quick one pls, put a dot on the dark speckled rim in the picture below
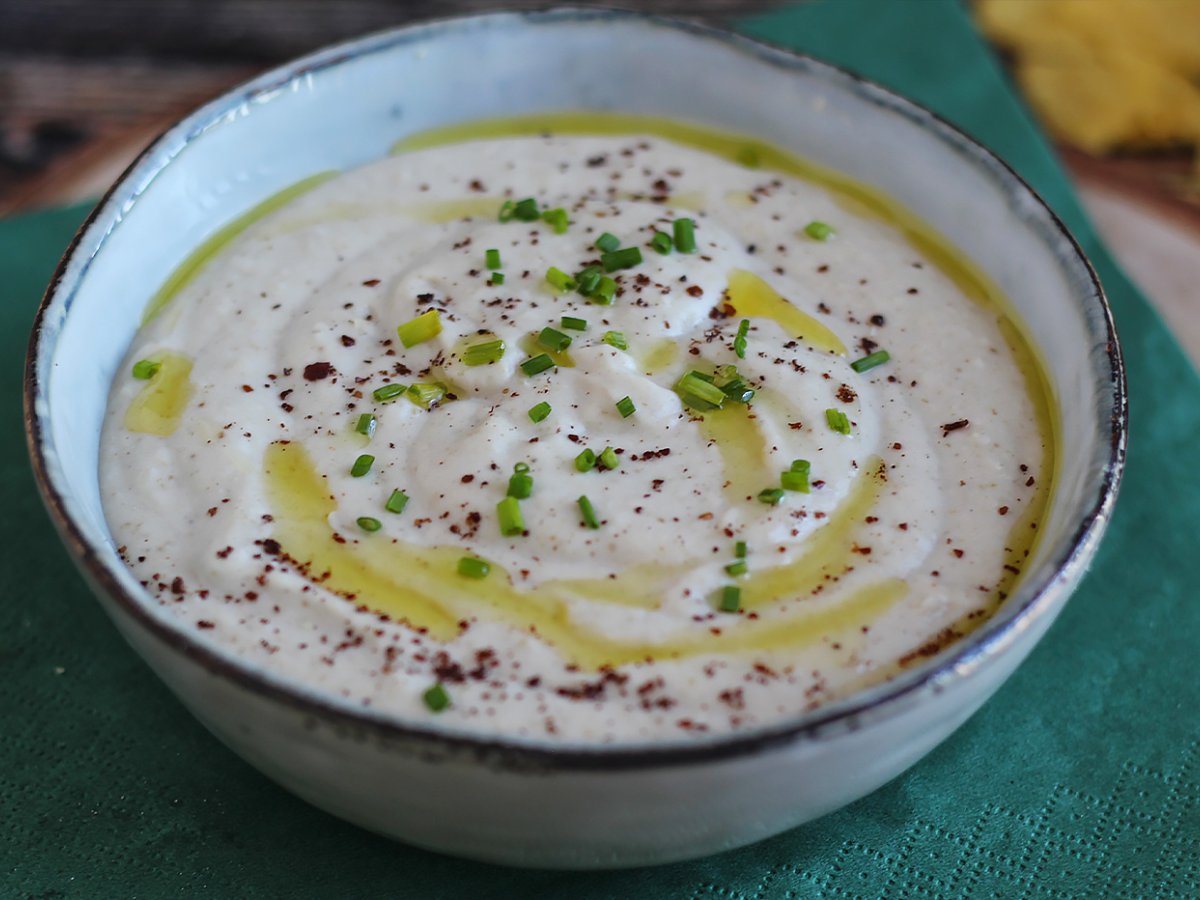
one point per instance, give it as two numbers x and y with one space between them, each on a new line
1031 602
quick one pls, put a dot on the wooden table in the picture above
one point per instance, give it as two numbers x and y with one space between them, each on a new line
85 84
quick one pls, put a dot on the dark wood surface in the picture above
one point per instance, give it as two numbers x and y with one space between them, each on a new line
85 83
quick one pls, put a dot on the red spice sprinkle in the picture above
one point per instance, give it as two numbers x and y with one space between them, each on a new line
318 370
954 426
371 282
347 341
1003 510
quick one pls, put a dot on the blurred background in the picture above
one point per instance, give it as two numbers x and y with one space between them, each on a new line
84 85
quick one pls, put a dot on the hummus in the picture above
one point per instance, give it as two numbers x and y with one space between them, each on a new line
581 438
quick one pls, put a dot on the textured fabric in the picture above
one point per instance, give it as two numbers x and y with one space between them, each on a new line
1079 778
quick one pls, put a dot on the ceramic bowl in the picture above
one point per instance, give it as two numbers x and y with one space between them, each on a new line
525 802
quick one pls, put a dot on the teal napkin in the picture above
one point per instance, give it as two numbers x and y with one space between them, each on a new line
1079 778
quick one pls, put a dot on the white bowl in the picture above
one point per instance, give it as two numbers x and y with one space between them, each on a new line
526 802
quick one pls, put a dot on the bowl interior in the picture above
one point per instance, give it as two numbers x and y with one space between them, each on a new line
347 105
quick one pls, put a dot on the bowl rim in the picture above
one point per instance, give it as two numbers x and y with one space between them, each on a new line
964 658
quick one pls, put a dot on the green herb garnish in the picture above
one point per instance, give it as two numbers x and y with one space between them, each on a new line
818 231
615 339
837 421
508 515
607 242
470 567
625 258
422 328
553 339
731 598
685 235
484 354
145 369
589 514
436 698
870 361
520 485
537 364
388 392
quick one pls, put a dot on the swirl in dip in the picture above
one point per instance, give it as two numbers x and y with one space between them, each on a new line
774 467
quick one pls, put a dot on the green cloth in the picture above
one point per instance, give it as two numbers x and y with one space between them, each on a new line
1078 778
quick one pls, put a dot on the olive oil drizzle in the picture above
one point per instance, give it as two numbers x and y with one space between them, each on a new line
751 297
159 405
216 242
428 595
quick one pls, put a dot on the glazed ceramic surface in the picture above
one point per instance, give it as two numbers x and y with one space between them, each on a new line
525 802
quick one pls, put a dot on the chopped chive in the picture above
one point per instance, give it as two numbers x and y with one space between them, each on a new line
362 465
537 364
483 354
588 280
818 231
425 395
608 458
607 242
557 219
470 567
605 290
526 210
416 331
685 235
731 598
737 390
740 550
589 514
615 339
145 369
796 478
553 339
436 698
739 342
625 258
520 485
837 421
366 425
559 279
574 324
506 211
737 568
497 279
492 259
878 358
539 411
368 523
396 502
388 392
508 514
698 393
771 495
586 460
661 242
625 407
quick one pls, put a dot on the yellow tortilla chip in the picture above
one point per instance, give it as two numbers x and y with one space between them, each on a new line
1105 73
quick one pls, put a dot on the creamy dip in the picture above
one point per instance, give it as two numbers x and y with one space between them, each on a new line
301 488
